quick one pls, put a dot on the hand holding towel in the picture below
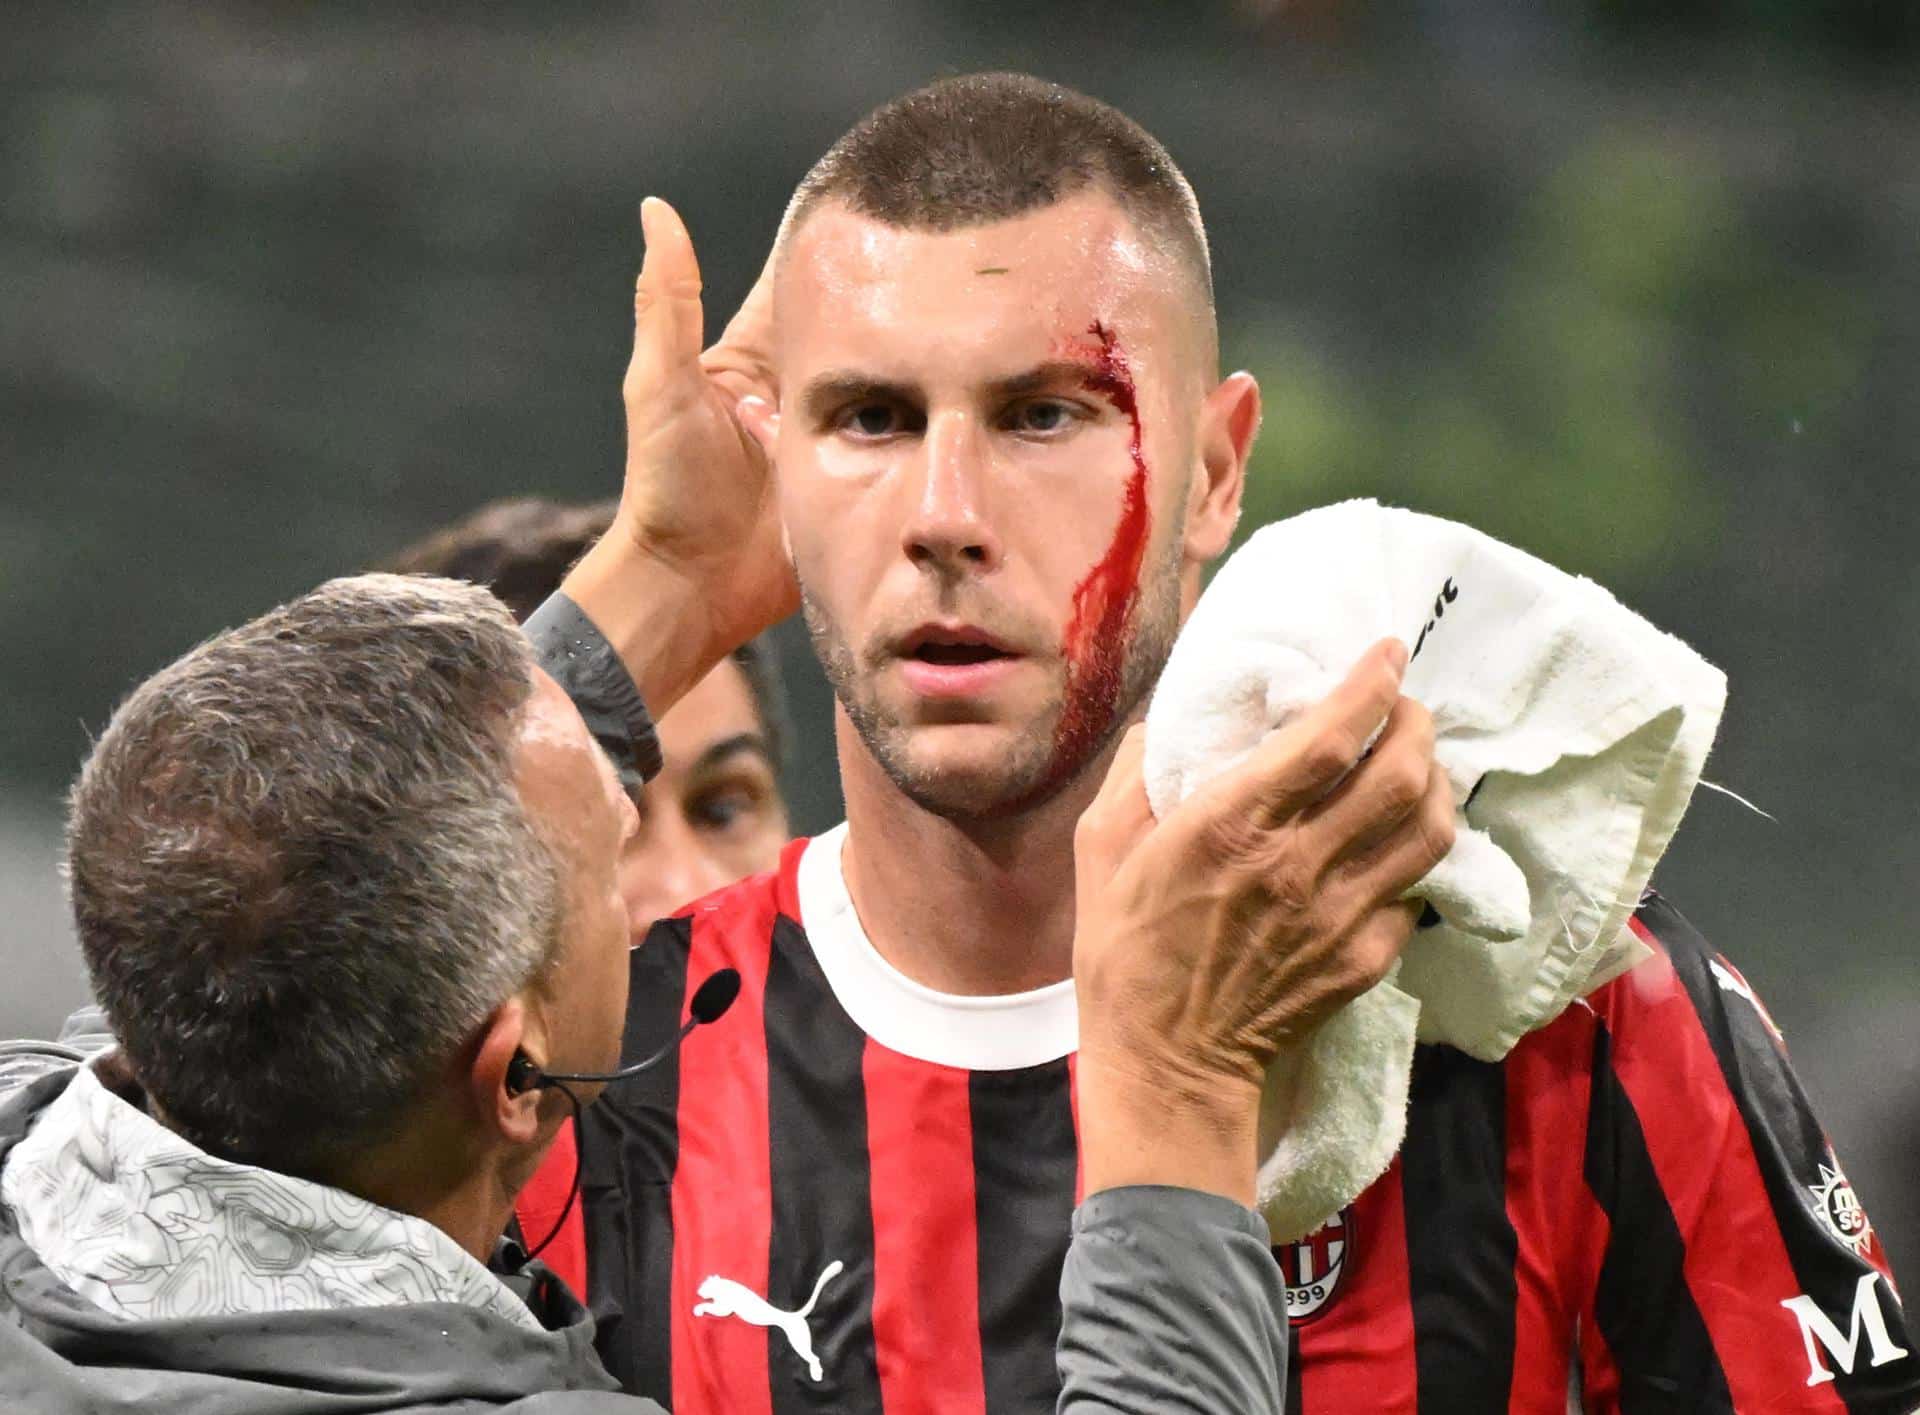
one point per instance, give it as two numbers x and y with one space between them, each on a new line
1572 732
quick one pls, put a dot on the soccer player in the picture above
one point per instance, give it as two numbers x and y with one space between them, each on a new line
983 367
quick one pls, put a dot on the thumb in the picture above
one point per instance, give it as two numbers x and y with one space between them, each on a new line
667 320
1123 793
1119 818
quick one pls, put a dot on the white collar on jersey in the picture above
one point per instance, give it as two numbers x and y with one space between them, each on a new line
1001 1033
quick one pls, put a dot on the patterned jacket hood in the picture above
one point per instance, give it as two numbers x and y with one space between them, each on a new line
60 1352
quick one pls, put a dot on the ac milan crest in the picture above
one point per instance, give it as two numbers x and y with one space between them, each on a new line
1312 1266
1841 1208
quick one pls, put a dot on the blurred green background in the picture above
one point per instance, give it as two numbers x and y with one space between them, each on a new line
1633 285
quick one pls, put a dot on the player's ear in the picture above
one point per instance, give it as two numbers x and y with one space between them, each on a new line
1229 419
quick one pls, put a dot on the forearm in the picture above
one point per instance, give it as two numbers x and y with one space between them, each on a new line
1171 1302
657 621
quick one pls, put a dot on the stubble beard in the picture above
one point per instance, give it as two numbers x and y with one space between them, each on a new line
1037 765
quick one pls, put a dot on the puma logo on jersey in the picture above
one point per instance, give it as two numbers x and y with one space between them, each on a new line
723 1297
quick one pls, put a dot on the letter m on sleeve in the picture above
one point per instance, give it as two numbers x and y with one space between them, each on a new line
1818 1330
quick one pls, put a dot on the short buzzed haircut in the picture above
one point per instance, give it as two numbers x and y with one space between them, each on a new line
300 869
981 148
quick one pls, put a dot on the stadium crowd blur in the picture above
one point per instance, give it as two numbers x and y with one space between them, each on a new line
1627 284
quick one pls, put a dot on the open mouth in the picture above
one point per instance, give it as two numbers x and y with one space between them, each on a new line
953 648
956 653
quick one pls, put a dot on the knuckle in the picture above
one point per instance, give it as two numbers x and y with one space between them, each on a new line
1403 783
1371 957
1357 974
1291 890
1329 754
1439 829
1233 840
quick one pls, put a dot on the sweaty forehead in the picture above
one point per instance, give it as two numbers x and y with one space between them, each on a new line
850 282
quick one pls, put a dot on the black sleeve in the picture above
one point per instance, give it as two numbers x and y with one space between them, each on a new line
579 658
1171 1305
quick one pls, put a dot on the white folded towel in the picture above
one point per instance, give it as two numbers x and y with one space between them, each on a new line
1572 731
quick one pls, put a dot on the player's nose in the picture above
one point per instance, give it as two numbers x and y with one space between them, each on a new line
947 529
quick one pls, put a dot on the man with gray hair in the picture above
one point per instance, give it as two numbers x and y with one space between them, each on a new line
345 882
332 872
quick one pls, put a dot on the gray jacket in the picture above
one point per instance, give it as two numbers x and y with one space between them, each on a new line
1170 1300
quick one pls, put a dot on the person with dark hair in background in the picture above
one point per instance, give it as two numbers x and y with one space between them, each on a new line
713 814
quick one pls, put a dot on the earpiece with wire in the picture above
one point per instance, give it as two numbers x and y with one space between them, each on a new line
711 999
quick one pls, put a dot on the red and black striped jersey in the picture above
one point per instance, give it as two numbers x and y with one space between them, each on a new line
853 1195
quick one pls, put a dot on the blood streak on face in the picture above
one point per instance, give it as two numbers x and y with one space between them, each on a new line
1095 642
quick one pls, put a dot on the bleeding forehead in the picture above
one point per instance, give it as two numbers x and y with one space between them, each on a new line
853 287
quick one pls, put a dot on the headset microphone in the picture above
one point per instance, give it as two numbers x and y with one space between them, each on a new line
710 1000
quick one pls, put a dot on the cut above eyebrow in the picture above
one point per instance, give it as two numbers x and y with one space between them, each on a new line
732 746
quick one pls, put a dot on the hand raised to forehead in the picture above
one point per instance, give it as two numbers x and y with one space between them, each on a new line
698 495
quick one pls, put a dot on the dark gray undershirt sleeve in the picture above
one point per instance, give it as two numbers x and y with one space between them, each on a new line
579 658
1172 1305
